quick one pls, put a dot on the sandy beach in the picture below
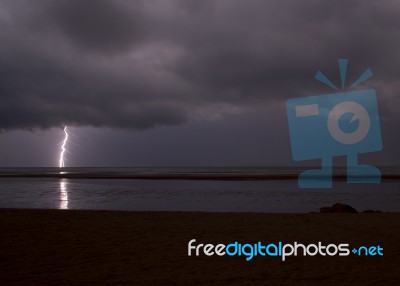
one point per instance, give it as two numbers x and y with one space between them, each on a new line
53 247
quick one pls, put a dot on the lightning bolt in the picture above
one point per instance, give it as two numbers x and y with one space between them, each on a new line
64 142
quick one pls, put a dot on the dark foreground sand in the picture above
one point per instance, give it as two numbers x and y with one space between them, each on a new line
51 247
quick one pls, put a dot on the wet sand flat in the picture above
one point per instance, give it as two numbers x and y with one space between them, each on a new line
53 247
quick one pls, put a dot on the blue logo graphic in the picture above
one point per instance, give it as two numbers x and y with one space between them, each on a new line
336 124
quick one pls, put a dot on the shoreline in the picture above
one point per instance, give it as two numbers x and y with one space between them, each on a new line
174 212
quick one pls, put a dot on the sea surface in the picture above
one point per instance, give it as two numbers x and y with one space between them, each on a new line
188 189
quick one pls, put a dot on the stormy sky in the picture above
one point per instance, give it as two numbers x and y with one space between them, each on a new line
183 83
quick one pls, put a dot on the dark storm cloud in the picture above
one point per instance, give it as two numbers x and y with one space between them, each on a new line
140 64
101 25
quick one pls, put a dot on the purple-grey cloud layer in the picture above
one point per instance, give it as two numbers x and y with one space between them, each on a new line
141 64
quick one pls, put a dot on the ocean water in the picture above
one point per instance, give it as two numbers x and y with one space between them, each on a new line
46 188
